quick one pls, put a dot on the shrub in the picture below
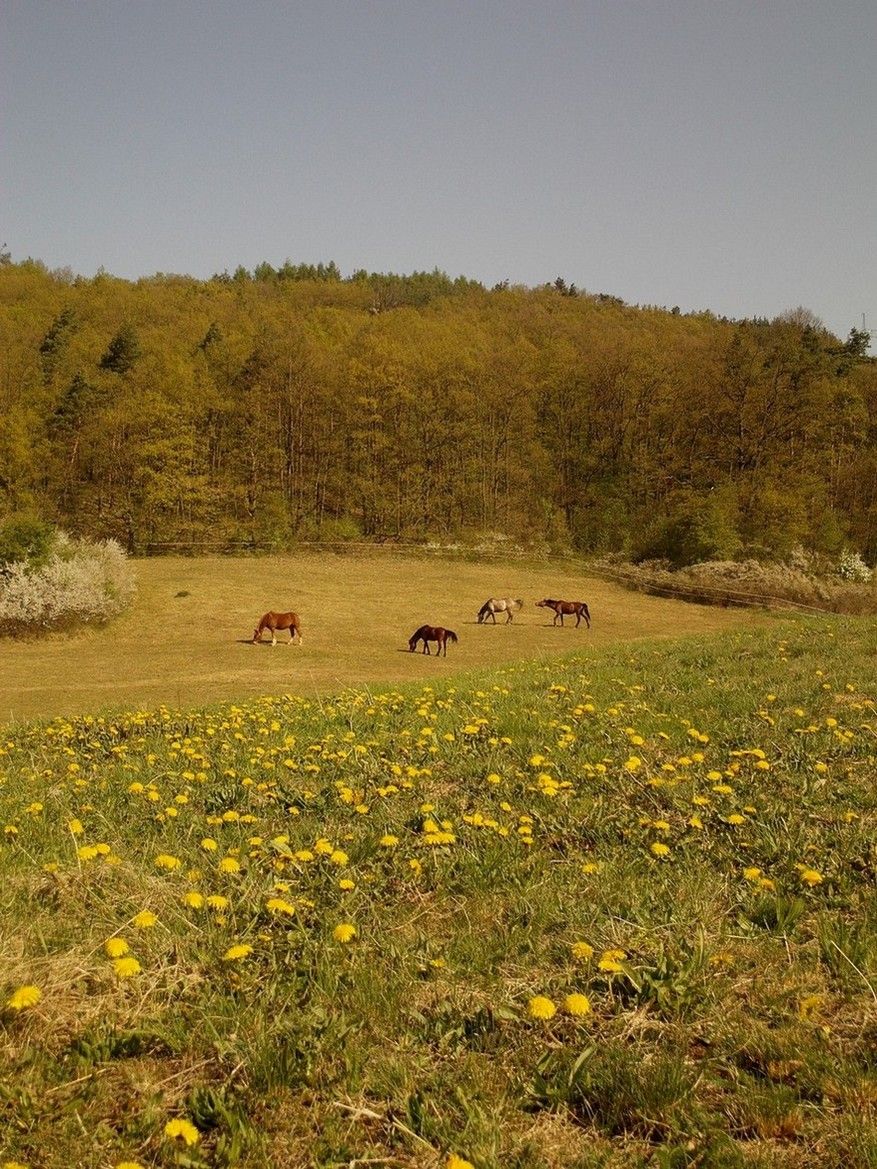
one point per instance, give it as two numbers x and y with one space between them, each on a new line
852 567
24 539
77 582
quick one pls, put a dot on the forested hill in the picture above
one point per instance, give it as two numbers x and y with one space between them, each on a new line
287 404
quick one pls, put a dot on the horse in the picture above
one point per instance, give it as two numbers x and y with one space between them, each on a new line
275 621
579 608
499 605
428 633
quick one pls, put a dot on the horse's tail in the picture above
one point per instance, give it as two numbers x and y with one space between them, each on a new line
451 636
586 613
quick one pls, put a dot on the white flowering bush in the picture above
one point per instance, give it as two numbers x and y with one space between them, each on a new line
851 566
81 582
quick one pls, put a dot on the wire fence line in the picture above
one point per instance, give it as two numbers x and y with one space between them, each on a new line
699 594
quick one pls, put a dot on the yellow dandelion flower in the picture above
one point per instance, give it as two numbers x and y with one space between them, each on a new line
24 997
194 899
455 1162
182 1129
810 1005
659 848
209 844
582 951
344 932
126 967
811 877
128 1165
75 826
577 1004
229 865
278 905
217 901
541 1007
388 841
116 947
346 884
338 857
235 953
167 862
752 873
145 919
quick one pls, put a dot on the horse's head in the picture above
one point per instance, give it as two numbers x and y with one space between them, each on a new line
256 632
544 604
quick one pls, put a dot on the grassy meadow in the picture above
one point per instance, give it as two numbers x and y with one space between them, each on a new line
185 640
606 910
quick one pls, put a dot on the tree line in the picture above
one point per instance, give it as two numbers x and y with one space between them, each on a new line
260 408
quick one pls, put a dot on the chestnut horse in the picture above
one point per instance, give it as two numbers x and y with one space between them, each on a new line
275 621
428 633
499 605
579 608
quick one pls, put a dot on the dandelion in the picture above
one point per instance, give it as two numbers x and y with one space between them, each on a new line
610 961
388 841
193 899
577 1004
116 947
229 865
24 997
144 920
280 906
235 953
126 967
217 901
183 1129
541 1007
209 844
811 877
659 848
126 1165
582 951
344 932
455 1162
167 862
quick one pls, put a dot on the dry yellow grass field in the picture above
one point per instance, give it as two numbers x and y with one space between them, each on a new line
184 642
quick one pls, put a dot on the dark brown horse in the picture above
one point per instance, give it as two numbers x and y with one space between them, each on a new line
579 608
428 633
275 621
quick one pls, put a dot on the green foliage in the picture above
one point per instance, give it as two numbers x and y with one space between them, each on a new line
122 352
259 407
25 539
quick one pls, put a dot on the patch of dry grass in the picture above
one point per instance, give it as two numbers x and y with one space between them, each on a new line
184 642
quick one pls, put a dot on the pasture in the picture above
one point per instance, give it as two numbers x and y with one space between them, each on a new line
185 640
605 911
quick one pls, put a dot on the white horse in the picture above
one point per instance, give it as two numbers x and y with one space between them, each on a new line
499 605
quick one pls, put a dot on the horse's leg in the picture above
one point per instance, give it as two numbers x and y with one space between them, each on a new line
274 637
493 615
508 616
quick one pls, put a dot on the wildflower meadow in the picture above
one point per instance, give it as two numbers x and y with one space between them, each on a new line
605 910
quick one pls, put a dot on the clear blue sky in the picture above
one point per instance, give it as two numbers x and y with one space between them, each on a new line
713 154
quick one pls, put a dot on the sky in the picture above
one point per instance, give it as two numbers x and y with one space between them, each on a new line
710 154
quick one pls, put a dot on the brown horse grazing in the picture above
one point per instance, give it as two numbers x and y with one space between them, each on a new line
275 621
579 608
495 605
428 633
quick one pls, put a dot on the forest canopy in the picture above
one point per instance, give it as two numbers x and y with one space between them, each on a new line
290 403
